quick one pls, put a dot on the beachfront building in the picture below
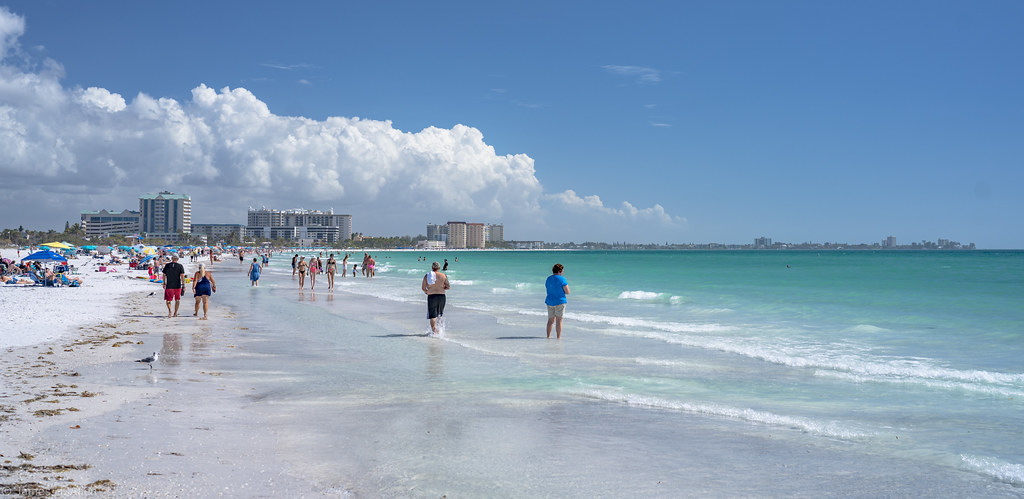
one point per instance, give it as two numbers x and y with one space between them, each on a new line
463 235
105 223
306 226
427 244
456 235
475 235
494 233
219 232
165 215
527 244
763 242
437 232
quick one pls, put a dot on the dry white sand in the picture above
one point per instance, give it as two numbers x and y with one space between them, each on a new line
79 417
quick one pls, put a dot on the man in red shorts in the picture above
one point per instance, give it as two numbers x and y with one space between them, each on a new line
174 282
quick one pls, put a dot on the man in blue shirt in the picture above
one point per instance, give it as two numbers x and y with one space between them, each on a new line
557 288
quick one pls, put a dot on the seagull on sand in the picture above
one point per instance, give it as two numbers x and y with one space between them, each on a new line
150 360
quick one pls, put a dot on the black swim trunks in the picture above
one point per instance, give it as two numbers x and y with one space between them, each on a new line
435 306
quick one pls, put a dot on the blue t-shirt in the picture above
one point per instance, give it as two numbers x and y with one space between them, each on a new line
556 290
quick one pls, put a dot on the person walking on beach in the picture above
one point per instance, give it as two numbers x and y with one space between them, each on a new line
203 286
294 264
302 271
314 269
332 268
557 288
254 272
174 282
344 266
434 285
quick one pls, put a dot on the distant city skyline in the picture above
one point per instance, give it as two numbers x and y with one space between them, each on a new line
643 122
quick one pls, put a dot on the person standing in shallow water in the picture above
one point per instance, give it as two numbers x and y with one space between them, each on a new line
254 272
332 267
557 288
434 285
301 266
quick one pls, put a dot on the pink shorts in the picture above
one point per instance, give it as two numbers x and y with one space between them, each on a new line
172 294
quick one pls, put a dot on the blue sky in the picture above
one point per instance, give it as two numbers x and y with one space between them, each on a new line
566 121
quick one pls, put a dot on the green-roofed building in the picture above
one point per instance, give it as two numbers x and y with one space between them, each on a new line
165 215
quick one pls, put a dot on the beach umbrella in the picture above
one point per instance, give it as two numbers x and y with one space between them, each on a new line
44 256
104 250
88 247
148 258
57 245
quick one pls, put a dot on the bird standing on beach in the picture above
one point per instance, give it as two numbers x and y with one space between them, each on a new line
149 360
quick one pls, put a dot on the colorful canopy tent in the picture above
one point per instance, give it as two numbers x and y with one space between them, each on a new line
58 245
44 256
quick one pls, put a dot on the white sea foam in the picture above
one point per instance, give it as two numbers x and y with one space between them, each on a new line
830 429
985 389
1003 471
850 359
672 327
639 295
459 282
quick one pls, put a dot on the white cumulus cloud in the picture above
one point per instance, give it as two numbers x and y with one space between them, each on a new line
592 204
63 150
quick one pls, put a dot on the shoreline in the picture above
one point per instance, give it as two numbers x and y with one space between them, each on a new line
249 404
79 416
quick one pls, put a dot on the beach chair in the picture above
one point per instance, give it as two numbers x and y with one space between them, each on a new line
42 281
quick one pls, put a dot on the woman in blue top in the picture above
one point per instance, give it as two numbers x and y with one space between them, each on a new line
203 286
254 273
557 288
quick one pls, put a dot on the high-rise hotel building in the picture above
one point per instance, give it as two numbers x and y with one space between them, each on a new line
299 225
165 215
104 223
463 235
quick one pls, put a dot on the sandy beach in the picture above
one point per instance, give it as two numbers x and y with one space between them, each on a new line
79 417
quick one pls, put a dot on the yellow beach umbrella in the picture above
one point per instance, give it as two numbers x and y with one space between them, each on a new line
56 245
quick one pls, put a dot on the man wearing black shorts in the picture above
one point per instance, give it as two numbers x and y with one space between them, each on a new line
174 282
434 285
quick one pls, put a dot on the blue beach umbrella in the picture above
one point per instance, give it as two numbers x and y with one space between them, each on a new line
44 256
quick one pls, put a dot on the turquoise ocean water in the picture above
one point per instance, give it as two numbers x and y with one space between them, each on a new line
680 373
